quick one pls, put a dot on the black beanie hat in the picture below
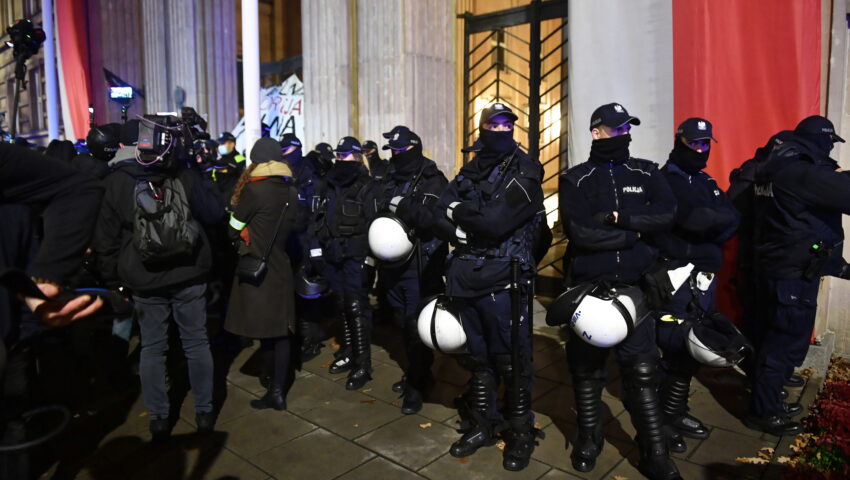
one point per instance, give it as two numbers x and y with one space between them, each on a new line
266 149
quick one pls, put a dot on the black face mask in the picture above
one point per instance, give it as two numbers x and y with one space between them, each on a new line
344 172
406 161
611 150
374 159
823 143
293 158
498 142
688 159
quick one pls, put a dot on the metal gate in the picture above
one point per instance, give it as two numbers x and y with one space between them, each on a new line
518 57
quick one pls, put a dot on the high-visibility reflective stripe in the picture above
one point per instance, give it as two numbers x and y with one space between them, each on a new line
236 224
239 158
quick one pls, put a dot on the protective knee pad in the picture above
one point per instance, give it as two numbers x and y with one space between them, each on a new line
353 306
642 373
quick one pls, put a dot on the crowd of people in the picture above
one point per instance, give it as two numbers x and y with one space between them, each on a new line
340 222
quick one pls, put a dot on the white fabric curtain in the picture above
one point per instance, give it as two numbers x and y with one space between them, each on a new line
622 51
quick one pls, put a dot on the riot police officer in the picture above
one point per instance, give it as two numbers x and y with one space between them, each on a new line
229 165
493 214
310 184
705 218
800 196
409 191
608 205
340 242
378 167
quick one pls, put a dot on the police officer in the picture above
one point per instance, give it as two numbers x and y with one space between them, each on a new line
229 165
705 218
800 195
493 214
378 167
409 191
341 243
311 185
608 205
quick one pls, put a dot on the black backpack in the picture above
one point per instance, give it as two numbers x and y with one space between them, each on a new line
163 227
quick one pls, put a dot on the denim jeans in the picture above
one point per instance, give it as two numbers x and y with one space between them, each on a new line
187 307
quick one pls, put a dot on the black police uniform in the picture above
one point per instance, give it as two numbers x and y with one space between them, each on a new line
310 182
601 248
411 189
799 201
341 230
496 216
705 218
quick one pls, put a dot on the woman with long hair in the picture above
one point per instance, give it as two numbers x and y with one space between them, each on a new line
264 208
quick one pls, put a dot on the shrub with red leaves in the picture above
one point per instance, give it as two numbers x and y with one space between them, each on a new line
824 451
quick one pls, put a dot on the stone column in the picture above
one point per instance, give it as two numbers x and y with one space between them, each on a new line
191 44
327 71
407 72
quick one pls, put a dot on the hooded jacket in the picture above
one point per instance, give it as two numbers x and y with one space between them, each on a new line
117 260
799 200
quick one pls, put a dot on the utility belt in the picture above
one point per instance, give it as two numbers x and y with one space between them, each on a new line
467 252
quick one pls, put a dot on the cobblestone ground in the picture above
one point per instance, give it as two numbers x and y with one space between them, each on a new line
329 432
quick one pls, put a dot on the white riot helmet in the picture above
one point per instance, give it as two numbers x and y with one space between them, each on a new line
389 240
601 314
440 327
716 342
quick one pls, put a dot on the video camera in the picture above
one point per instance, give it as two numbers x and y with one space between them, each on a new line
24 38
165 136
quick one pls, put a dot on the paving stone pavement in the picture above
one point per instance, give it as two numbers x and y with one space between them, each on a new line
329 432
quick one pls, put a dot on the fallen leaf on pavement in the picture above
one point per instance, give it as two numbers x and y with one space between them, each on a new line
335 346
327 403
500 445
463 460
782 459
425 425
327 364
143 414
620 477
766 453
752 460
371 400
366 390
356 425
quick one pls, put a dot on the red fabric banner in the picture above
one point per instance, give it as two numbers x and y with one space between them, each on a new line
73 45
752 68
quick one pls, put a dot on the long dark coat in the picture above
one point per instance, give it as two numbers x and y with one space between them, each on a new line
265 309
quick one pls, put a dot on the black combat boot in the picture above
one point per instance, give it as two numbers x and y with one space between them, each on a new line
478 430
590 440
342 357
361 366
310 346
640 396
674 393
274 398
522 436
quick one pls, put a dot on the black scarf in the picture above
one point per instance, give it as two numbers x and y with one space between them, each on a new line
294 159
407 163
821 142
688 159
496 142
611 150
343 173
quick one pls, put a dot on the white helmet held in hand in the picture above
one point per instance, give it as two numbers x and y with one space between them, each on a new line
602 315
440 327
389 240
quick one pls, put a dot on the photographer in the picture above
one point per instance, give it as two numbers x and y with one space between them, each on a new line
156 198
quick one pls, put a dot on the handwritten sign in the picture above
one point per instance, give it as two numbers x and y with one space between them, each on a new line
281 108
